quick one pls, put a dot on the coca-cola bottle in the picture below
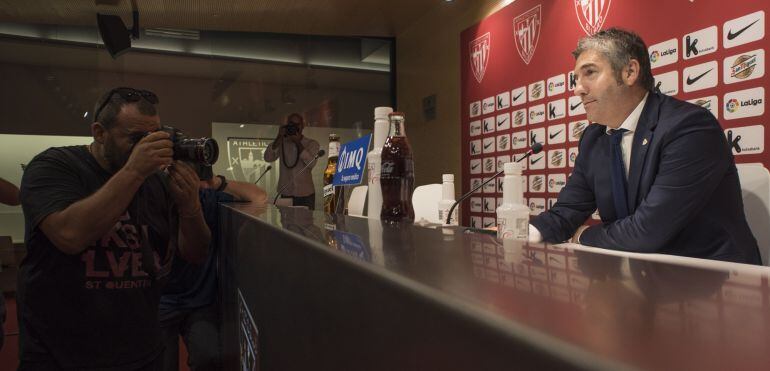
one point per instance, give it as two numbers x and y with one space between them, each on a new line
397 173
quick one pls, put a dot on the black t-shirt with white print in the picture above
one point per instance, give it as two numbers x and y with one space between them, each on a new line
97 309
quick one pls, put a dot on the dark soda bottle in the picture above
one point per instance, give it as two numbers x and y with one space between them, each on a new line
397 173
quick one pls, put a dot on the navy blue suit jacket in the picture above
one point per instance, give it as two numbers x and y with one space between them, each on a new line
684 196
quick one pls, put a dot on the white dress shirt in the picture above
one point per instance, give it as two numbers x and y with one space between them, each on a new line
626 145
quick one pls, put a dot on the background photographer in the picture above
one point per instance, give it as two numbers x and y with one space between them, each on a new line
103 223
295 151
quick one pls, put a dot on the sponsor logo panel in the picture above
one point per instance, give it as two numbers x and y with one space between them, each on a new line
518 96
572 154
476 166
576 129
556 85
536 114
488 145
475 147
575 106
556 182
489 165
536 206
502 160
701 76
519 140
743 30
537 136
503 100
557 109
503 143
746 140
667 83
503 121
744 103
537 183
557 159
488 105
475 204
664 53
557 134
700 43
488 125
744 66
536 90
519 118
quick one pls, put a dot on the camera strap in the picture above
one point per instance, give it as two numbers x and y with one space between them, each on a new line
283 155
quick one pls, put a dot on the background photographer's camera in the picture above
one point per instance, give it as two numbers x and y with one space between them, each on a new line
291 129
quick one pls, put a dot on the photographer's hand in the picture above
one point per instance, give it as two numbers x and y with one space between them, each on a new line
184 186
154 152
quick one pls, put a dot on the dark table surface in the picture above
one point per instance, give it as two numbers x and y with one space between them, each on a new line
643 311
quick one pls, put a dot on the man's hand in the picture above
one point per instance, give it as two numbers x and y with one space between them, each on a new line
184 186
154 152
212 183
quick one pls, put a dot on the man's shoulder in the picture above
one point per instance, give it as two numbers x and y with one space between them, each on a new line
675 113
66 153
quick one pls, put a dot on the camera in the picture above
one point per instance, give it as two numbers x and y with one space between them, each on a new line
291 129
202 151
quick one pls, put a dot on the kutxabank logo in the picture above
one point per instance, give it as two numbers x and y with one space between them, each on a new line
526 32
591 14
479 50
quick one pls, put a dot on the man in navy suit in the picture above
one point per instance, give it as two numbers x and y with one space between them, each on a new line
659 170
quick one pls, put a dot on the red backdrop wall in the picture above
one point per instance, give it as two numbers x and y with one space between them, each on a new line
515 80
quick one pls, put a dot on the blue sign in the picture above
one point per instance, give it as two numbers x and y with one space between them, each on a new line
352 162
352 245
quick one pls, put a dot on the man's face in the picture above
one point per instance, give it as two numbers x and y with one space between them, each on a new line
129 128
296 121
602 94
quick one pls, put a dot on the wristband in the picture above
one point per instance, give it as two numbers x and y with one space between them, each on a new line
223 183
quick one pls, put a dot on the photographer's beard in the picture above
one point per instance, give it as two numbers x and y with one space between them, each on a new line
114 156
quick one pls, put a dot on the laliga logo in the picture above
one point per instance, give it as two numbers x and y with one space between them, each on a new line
550 86
479 50
654 56
591 14
572 157
732 105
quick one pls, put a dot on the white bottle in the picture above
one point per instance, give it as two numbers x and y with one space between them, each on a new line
374 161
447 200
512 215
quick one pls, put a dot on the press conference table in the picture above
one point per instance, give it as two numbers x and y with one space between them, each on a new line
348 293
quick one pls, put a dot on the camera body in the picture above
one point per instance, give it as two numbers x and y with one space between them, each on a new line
203 151
291 129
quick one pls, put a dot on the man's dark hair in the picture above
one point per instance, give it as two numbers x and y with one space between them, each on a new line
619 47
109 113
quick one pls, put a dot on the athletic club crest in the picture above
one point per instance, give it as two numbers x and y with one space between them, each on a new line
591 14
480 55
526 32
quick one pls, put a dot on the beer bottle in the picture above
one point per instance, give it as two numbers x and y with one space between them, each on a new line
397 173
332 194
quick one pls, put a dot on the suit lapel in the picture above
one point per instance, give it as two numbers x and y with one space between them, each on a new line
643 137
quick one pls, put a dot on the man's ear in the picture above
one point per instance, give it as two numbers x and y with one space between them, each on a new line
99 132
631 72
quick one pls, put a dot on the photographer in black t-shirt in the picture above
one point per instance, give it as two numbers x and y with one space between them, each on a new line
103 224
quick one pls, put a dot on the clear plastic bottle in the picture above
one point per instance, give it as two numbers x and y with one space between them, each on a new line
374 161
512 215
447 200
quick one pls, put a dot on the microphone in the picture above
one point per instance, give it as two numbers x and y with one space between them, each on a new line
263 173
317 155
534 149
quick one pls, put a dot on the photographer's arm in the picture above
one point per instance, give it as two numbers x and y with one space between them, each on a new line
73 228
309 151
271 152
194 234
9 193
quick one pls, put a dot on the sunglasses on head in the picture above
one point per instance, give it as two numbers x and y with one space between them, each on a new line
129 95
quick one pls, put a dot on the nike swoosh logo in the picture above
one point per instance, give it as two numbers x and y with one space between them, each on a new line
572 108
535 160
502 122
555 134
488 225
691 80
488 144
475 166
518 96
731 35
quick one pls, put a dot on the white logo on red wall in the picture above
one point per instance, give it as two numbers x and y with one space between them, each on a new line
480 48
526 32
591 14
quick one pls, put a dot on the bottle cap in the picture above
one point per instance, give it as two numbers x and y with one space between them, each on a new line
448 178
382 112
512 168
